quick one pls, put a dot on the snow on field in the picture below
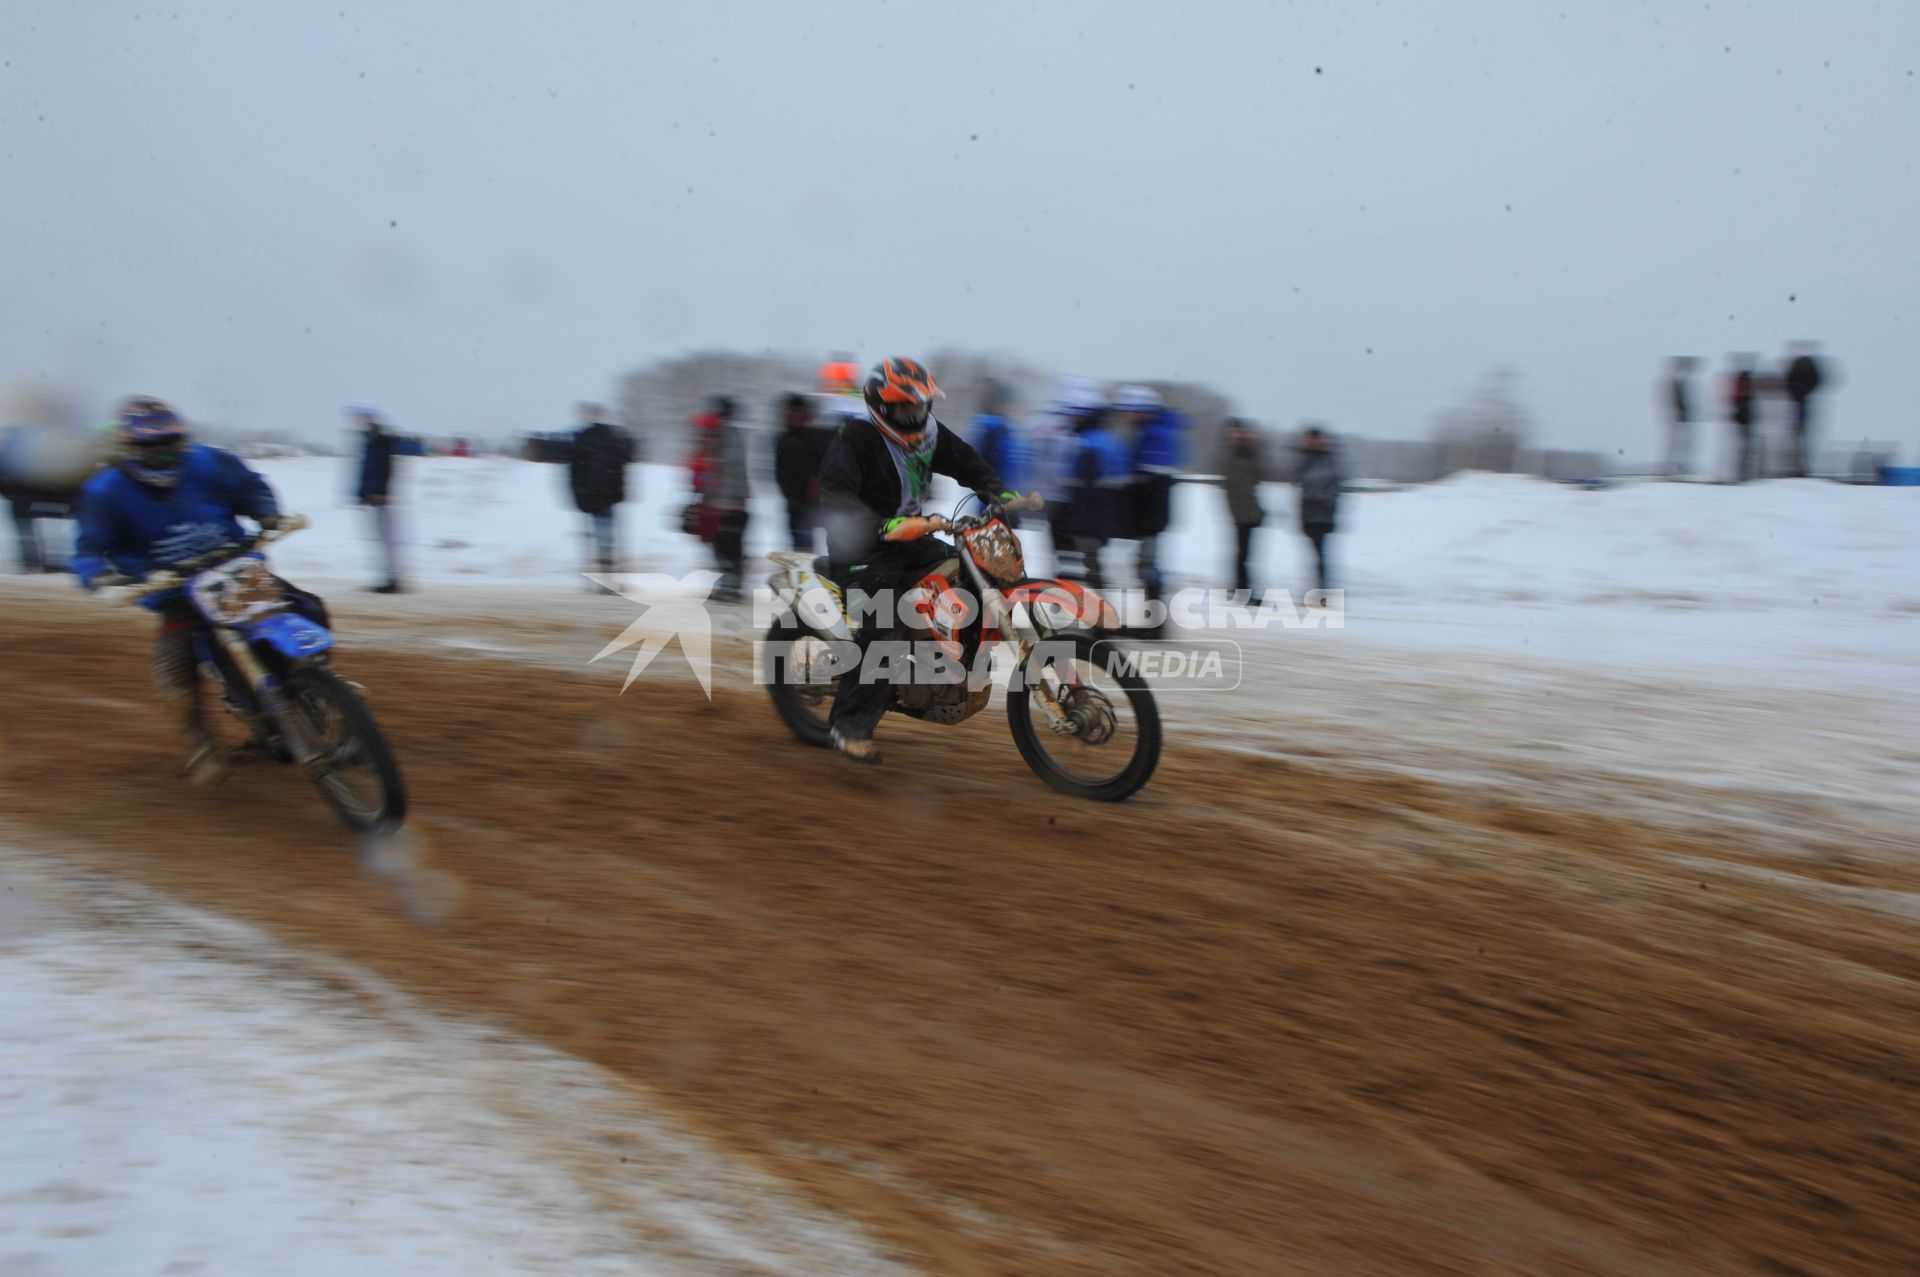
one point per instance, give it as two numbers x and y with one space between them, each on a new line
1756 639
1769 574
182 1096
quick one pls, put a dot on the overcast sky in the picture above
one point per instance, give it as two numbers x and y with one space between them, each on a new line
474 214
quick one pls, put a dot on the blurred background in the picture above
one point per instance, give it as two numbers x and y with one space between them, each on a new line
475 215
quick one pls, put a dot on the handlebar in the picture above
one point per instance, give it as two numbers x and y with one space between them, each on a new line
175 575
912 529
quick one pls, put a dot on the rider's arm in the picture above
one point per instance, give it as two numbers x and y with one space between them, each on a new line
851 524
247 490
94 537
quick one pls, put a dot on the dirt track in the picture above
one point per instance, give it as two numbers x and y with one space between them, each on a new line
1266 1019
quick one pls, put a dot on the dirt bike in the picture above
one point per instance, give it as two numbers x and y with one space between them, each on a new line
270 663
1083 718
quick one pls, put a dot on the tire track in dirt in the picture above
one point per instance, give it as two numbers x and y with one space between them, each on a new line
1267 1018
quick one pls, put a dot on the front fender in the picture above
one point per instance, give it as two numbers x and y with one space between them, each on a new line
291 634
1063 605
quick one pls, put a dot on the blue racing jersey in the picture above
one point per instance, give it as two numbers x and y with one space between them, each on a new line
130 528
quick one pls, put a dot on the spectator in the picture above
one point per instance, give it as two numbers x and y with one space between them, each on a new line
26 531
1151 433
1243 465
597 475
1679 404
375 488
1317 473
995 438
720 481
1802 380
1049 438
1742 411
1096 471
41 471
797 454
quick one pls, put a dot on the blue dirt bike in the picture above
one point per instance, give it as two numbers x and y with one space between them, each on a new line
269 659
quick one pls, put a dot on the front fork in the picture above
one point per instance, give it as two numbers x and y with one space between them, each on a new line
1023 636
269 696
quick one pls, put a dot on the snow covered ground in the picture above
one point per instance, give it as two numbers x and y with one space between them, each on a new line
1779 575
182 1095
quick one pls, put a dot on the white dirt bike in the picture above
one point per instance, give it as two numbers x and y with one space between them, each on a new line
1081 715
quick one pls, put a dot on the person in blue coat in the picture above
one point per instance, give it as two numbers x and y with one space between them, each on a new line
166 499
995 437
1154 436
1096 471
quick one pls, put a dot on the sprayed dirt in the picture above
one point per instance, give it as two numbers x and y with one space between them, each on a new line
1268 1018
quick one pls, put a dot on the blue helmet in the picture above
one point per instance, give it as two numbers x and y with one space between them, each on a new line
1080 399
153 441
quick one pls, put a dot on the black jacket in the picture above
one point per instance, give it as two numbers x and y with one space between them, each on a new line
597 471
1317 472
1803 378
860 484
797 455
376 465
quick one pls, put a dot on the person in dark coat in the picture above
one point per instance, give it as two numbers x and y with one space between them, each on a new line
1678 394
41 471
1242 467
720 481
1743 411
379 447
597 476
1316 473
797 455
1802 380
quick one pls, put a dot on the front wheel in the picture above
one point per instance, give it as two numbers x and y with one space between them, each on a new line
1109 743
798 671
356 772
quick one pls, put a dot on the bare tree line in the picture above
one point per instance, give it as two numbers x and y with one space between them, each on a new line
1488 428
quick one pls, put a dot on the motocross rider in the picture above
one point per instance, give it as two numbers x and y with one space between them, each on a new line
875 477
166 499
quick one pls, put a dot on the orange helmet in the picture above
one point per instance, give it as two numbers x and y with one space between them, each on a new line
900 394
839 377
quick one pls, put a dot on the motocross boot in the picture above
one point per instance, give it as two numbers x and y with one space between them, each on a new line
852 732
855 744
206 762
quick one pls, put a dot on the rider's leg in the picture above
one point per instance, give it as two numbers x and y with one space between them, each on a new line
27 530
605 550
729 549
176 676
860 702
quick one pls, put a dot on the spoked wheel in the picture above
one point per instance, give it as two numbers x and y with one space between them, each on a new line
1109 742
797 668
356 773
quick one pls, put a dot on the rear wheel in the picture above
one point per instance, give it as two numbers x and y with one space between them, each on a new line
356 773
796 665
1109 742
